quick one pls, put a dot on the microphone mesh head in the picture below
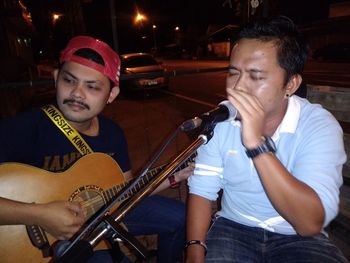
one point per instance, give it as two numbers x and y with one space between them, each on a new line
231 109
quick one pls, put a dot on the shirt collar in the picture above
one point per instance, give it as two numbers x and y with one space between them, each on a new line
290 120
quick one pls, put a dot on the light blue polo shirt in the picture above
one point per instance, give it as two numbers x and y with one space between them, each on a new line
309 144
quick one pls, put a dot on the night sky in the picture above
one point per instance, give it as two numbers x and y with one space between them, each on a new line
192 16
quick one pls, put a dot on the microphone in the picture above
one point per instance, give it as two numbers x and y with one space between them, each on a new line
224 111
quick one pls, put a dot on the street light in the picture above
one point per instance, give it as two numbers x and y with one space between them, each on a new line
154 27
55 17
177 35
139 18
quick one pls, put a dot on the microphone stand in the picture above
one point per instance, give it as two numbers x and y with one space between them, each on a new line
183 156
80 250
203 138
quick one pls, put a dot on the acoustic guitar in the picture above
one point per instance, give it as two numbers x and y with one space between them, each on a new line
93 180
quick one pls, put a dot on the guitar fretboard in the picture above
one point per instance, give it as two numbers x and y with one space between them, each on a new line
114 191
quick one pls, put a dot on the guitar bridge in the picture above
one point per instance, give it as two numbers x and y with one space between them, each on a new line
39 240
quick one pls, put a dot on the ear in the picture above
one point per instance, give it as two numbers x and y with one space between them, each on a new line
55 75
293 84
113 94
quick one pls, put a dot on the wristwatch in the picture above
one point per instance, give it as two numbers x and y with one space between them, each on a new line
267 146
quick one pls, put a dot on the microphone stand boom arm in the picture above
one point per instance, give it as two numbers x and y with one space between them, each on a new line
125 208
183 156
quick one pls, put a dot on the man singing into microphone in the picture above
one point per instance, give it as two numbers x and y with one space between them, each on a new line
279 167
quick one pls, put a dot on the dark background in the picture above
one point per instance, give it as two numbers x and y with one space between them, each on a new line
193 17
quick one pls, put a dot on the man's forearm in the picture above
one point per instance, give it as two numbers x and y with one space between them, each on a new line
12 212
198 220
294 200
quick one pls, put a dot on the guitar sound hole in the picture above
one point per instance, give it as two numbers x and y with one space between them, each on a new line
90 197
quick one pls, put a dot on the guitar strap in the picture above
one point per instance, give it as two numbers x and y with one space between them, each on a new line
36 235
73 135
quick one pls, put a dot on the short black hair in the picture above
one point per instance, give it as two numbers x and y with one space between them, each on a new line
292 47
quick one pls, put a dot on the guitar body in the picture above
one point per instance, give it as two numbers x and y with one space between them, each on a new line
86 179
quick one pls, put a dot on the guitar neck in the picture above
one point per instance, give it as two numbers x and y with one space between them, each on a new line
112 192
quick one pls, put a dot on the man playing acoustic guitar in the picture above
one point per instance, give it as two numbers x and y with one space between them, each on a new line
51 139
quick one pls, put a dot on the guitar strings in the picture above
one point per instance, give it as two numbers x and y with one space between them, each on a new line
95 203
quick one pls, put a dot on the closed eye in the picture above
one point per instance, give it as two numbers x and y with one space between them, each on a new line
69 80
93 85
257 77
233 72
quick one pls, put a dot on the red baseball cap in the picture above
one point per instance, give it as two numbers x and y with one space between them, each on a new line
111 67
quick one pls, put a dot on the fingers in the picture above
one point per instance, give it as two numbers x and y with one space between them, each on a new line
252 116
246 104
185 173
77 212
76 208
190 167
62 219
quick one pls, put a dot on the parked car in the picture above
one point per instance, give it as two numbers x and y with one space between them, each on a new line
152 72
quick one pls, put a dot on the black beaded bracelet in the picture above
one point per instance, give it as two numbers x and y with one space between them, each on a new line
197 242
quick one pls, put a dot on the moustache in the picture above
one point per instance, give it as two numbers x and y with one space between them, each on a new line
76 102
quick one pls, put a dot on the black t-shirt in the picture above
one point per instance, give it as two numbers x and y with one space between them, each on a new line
32 138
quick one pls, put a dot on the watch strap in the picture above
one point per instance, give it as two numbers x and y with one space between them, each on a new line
266 146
